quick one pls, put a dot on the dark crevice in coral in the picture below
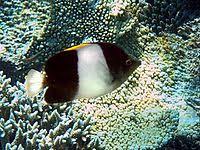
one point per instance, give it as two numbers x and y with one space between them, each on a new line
169 15
182 143
10 71
1 3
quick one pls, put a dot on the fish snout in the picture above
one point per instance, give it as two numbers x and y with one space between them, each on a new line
136 62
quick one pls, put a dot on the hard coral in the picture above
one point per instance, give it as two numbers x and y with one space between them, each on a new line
168 15
130 124
75 22
20 24
71 23
68 23
156 89
146 112
31 124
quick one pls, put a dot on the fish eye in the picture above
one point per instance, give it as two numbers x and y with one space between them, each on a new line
128 62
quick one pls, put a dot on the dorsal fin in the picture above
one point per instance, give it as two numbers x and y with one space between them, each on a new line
77 47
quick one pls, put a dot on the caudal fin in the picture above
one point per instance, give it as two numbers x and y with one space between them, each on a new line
34 82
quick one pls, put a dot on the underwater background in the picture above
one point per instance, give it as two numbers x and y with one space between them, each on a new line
158 107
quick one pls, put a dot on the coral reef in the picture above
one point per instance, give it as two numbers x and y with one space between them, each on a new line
156 108
21 23
81 21
32 124
127 124
149 110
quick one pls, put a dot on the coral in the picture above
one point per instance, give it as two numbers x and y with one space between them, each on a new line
20 24
130 125
68 26
168 15
156 108
191 30
32 124
149 110
81 21
40 31
133 116
158 88
189 123
62 27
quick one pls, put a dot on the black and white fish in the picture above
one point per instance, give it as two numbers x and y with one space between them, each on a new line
83 71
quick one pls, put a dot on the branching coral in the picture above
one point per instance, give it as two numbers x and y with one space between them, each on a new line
31 124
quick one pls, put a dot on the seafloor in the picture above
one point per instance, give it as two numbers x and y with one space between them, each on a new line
158 107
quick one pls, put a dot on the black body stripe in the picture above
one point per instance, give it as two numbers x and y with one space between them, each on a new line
116 59
62 77
113 55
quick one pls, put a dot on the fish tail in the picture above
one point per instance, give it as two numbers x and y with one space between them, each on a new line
35 82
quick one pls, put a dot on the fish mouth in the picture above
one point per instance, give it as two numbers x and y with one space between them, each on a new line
136 61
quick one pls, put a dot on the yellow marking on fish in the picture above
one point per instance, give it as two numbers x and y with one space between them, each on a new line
77 47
